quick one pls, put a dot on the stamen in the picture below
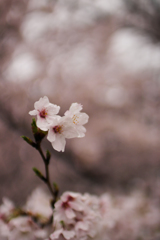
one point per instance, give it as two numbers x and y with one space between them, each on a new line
43 113
75 120
65 205
57 129
70 198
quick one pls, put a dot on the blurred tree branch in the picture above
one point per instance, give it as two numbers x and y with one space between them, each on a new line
145 16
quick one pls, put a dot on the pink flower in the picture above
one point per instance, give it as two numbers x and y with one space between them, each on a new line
45 112
76 217
60 129
23 228
6 208
67 205
78 118
62 234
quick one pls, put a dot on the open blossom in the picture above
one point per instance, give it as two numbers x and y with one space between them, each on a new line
76 217
23 228
4 230
67 205
60 129
79 118
45 111
39 204
6 208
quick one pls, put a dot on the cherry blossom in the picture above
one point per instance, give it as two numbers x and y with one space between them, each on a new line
60 129
76 217
6 208
67 205
4 230
62 234
39 204
23 228
79 118
45 111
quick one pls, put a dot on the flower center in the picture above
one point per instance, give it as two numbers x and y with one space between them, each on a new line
65 205
43 113
70 198
57 129
75 120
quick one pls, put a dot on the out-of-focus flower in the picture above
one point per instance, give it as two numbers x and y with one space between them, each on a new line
6 208
76 217
4 230
23 228
39 204
59 129
45 112
67 205
63 234
78 118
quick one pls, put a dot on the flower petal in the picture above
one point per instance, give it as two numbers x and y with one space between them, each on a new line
33 112
69 130
42 123
75 107
59 143
81 131
68 234
52 109
82 225
82 118
70 213
56 234
51 135
43 102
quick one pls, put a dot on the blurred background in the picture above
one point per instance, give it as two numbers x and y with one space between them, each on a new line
102 54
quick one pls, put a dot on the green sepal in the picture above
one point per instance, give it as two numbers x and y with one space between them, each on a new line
15 213
62 223
48 157
29 141
37 132
56 190
39 174
34 126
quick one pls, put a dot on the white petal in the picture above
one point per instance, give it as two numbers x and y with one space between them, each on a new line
40 233
82 225
51 135
67 194
42 123
59 143
70 213
75 108
82 118
69 130
33 112
52 109
68 234
53 120
56 234
81 131
68 114
76 206
42 103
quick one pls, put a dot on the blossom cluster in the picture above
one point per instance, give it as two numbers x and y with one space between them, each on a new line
18 224
76 217
59 128
80 217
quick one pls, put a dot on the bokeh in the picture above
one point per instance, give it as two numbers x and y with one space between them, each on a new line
102 54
